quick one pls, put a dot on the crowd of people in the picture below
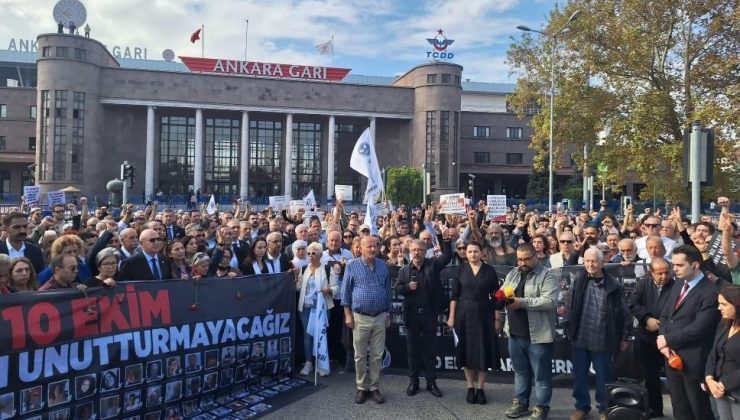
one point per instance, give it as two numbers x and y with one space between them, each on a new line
685 306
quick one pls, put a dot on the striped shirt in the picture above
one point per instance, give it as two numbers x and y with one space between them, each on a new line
366 290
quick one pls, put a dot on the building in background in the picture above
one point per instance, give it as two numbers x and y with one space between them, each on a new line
78 112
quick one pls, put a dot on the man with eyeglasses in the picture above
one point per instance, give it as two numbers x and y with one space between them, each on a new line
530 326
652 226
148 264
567 254
65 268
424 300
280 262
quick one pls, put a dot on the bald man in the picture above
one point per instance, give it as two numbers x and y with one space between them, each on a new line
148 264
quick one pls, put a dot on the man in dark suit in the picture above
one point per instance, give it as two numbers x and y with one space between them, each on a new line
687 326
15 224
146 265
646 305
173 231
280 262
424 300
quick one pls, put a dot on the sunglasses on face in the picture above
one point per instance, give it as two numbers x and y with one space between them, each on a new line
312 253
566 241
651 225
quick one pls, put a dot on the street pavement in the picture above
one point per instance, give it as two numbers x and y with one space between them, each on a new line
335 400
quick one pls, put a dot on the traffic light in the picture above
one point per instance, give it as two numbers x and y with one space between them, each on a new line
432 182
128 173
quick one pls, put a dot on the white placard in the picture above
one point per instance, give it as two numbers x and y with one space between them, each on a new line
279 202
55 197
452 203
343 192
496 205
297 204
32 194
380 209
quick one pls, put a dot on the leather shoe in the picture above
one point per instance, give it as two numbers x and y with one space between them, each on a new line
377 396
412 389
361 396
470 398
433 389
480 396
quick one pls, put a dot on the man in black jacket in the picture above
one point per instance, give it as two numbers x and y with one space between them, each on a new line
146 265
424 301
598 326
16 223
687 327
646 305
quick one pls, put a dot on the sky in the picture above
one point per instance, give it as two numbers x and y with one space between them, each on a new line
371 37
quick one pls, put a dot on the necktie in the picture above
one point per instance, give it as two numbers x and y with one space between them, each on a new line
172 232
155 270
684 290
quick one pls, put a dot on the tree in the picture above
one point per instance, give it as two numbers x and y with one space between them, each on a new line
630 76
537 184
403 185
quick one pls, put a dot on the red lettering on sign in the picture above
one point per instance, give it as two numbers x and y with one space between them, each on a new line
111 313
155 307
39 313
14 315
85 322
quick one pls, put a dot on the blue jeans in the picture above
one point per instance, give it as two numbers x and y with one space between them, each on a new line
307 338
531 360
603 365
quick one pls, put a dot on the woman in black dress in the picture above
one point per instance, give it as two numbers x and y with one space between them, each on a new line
472 316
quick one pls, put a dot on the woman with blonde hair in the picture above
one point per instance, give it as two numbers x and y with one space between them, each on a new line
315 278
68 245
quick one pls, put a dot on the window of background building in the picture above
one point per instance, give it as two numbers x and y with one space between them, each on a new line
80 54
346 136
533 108
446 78
32 112
481 131
457 80
62 51
4 181
78 134
2 142
306 159
46 52
513 158
59 166
43 163
444 148
431 78
221 171
176 154
482 157
3 111
431 141
32 143
265 169
514 132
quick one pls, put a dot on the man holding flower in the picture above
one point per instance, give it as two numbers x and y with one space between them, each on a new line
530 292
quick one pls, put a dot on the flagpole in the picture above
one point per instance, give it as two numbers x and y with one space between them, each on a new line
246 40
316 349
203 41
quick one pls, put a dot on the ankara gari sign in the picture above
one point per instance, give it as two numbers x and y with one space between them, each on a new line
440 43
272 70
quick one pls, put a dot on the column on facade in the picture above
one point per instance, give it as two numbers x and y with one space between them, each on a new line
198 168
244 157
149 171
372 129
288 170
330 161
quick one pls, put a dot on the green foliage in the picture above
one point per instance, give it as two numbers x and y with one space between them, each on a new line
630 75
537 184
403 185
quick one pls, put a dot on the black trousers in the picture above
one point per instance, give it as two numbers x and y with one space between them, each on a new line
688 399
421 346
334 334
652 360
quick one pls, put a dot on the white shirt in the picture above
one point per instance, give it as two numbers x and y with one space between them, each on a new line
15 253
275 263
641 244
343 253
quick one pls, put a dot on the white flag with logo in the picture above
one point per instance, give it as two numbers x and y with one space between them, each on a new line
317 324
327 48
365 161
371 216
310 200
211 205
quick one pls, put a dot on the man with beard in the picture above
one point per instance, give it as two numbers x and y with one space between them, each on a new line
590 238
530 326
16 224
646 305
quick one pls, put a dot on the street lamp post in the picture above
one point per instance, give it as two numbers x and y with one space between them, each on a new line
554 36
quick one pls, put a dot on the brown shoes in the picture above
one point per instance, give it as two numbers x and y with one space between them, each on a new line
579 415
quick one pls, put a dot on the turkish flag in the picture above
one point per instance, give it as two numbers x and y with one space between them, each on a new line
195 36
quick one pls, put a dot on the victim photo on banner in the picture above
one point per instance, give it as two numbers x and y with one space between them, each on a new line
148 350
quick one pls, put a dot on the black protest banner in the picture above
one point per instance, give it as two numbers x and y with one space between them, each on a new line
627 275
147 350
